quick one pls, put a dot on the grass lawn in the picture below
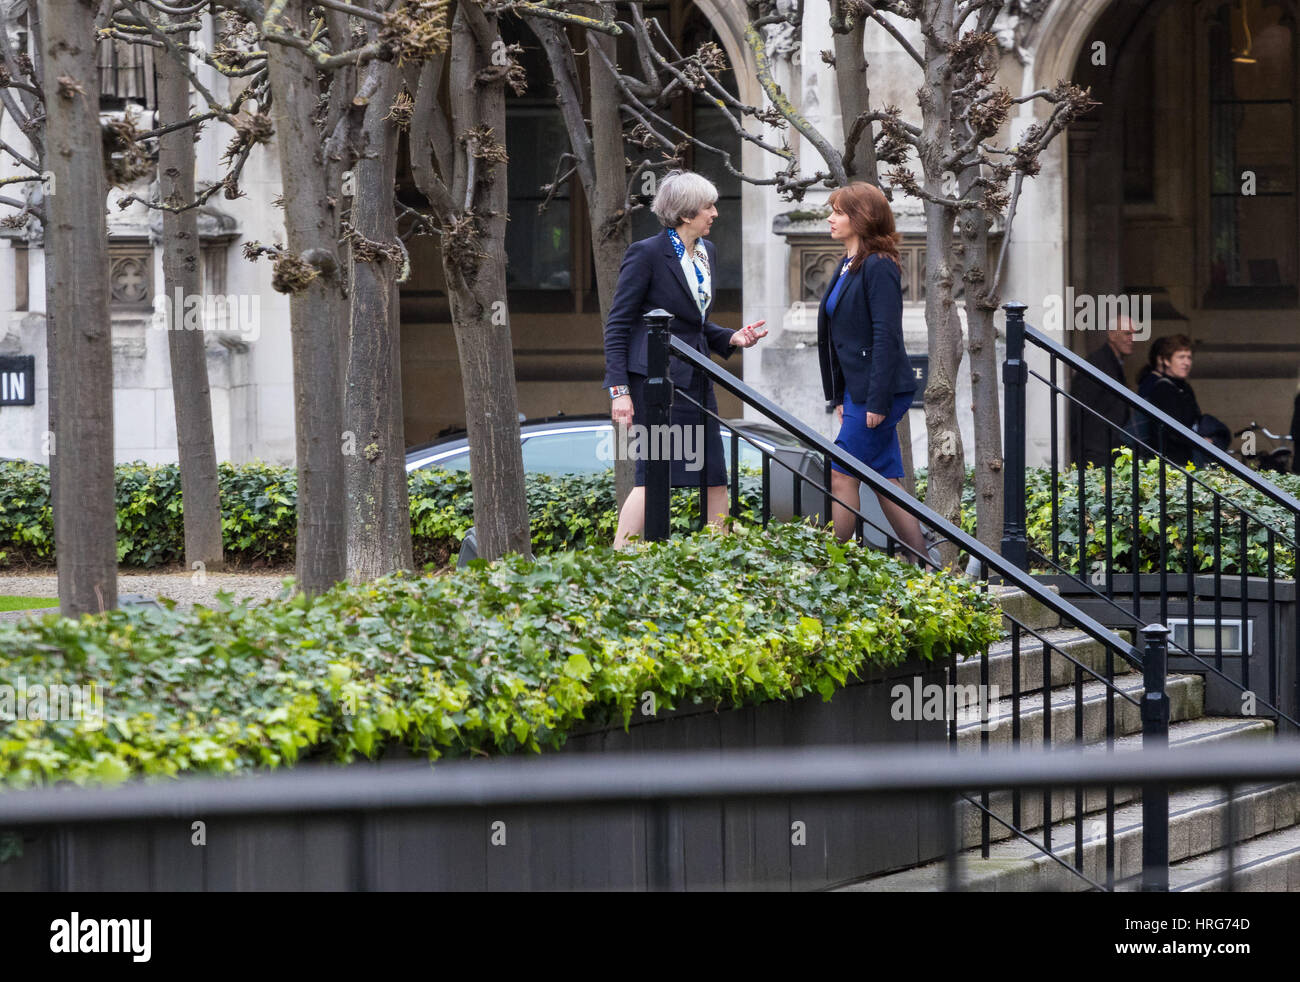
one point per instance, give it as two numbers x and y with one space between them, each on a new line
26 603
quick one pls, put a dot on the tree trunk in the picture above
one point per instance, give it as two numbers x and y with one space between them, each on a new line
191 398
475 271
379 512
855 99
76 237
611 229
947 467
982 342
317 317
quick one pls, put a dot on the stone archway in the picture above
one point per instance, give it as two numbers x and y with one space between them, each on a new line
1141 195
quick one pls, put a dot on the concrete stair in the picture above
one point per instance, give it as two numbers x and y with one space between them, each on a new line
1266 817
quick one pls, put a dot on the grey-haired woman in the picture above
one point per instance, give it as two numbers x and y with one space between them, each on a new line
675 271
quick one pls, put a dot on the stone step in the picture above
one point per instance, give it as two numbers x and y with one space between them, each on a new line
1196 822
1186 701
1091 653
1269 863
1202 732
1024 608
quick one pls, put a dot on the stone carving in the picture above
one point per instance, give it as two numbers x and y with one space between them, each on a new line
131 277
781 40
1015 26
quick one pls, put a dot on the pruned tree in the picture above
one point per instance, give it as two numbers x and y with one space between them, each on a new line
965 190
458 161
191 395
597 154
379 513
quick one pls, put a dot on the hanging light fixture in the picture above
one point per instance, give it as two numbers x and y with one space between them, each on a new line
1244 58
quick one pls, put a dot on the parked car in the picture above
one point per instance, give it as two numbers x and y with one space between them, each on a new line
577 445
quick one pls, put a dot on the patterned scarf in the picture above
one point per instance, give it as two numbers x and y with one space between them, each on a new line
700 258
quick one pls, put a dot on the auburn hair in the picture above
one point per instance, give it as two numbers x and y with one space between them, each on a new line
872 221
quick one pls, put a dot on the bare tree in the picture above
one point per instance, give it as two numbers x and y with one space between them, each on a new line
191 396
379 513
458 161
596 139
76 238
311 271
965 182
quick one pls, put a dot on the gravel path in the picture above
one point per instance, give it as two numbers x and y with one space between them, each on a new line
179 586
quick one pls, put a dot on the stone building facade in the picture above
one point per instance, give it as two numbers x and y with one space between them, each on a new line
1144 196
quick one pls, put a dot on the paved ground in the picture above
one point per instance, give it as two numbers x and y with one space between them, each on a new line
179 586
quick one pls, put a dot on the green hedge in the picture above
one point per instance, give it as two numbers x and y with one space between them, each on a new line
1263 514
259 519
493 658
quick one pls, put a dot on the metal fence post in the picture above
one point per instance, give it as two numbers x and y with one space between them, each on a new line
659 400
1155 735
1015 374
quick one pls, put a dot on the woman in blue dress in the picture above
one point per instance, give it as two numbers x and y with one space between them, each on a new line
864 366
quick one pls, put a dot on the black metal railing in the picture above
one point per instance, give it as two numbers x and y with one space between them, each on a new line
337 814
1091 681
1237 614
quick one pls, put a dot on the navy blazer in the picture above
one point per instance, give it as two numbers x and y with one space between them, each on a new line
860 346
652 276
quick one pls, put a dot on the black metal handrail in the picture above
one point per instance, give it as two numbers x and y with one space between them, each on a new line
662 346
1136 402
1166 430
657 499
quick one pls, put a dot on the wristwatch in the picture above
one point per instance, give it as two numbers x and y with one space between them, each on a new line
619 390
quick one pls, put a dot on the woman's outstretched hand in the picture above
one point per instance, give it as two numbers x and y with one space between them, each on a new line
749 335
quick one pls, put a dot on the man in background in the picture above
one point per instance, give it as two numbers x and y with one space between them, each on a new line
1099 440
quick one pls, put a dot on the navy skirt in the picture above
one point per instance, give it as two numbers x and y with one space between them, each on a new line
684 443
877 447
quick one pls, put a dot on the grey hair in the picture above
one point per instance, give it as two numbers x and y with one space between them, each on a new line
682 195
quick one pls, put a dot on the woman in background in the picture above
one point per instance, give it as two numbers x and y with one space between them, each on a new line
1163 383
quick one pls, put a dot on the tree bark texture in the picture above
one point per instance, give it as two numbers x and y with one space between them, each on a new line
76 238
947 459
191 397
982 342
379 511
458 162
317 315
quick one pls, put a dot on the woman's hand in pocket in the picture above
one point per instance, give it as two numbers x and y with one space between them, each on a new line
839 414
874 420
